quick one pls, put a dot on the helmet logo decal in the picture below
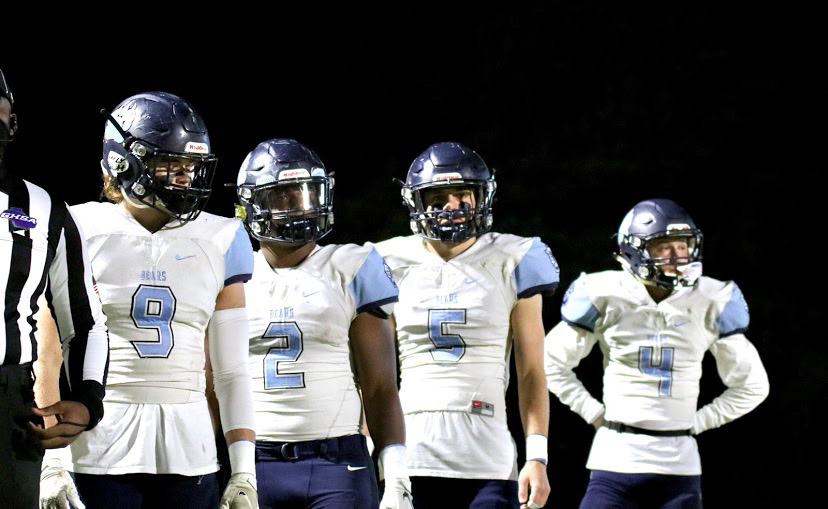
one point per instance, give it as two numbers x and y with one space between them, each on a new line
295 173
447 176
679 226
197 148
19 219
116 161
645 218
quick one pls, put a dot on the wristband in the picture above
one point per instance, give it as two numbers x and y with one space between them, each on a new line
536 449
242 457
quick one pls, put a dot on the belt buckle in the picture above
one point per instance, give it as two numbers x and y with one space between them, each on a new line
283 452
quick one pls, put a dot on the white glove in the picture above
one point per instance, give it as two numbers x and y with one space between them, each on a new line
392 464
57 490
240 492
397 494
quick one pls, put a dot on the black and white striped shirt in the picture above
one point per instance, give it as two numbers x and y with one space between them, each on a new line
42 250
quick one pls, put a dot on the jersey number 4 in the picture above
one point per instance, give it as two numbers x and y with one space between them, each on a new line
289 335
153 307
663 368
447 347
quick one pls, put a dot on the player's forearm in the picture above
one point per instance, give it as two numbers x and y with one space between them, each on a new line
533 401
385 418
731 404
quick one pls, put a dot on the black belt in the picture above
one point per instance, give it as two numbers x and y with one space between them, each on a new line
280 451
625 428
16 374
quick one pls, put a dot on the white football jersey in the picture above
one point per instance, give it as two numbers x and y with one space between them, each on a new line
158 291
652 366
453 330
300 360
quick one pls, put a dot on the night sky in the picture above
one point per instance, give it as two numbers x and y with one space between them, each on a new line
583 110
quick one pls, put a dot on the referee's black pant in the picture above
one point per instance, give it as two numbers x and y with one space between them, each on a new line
20 455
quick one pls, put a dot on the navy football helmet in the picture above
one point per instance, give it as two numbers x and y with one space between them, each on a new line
286 194
159 154
657 219
442 166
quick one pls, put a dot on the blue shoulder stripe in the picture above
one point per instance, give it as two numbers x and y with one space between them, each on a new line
373 285
577 308
537 271
238 260
735 316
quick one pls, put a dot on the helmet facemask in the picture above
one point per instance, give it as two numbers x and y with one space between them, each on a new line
434 217
680 272
294 211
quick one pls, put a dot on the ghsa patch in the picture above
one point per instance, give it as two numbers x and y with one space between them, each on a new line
19 219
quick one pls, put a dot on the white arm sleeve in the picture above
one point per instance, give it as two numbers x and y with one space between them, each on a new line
228 339
741 370
564 347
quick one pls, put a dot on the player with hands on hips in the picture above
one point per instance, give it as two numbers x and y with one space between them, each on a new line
168 273
653 321
468 297
318 339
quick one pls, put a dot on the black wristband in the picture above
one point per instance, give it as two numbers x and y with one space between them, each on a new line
90 394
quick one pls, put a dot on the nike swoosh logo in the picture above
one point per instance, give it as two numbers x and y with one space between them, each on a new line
179 257
679 324
306 294
354 469
468 281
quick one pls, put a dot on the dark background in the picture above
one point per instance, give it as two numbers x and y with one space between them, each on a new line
583 110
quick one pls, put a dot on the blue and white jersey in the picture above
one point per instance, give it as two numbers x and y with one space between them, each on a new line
159 292
453 330
652 365
300 360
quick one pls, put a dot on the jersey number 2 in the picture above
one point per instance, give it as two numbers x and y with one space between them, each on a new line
291 337
153 307
447 347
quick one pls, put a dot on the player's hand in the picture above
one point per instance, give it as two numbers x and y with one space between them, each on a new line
533 485
72 417
397 494
597 423
241 492
56 487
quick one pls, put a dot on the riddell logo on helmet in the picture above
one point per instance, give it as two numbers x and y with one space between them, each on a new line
448 176
297 173
198 148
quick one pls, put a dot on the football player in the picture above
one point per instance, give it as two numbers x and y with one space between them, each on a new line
653 321
167 274
467 297
318 338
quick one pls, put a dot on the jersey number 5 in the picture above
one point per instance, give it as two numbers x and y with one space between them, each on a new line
447 347
290 336
153 307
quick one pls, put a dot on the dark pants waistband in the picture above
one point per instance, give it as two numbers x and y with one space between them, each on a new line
16 374
625 428
287 451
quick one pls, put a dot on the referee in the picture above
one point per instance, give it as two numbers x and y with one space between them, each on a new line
41 250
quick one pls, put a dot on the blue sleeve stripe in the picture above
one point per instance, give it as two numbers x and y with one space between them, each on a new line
735 316
577 308
574 324
238 260
537 268
373 283
377 305
238 277
551 287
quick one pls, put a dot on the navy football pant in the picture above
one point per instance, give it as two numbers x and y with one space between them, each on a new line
439 492
20 454
611 490
333 473
145 491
